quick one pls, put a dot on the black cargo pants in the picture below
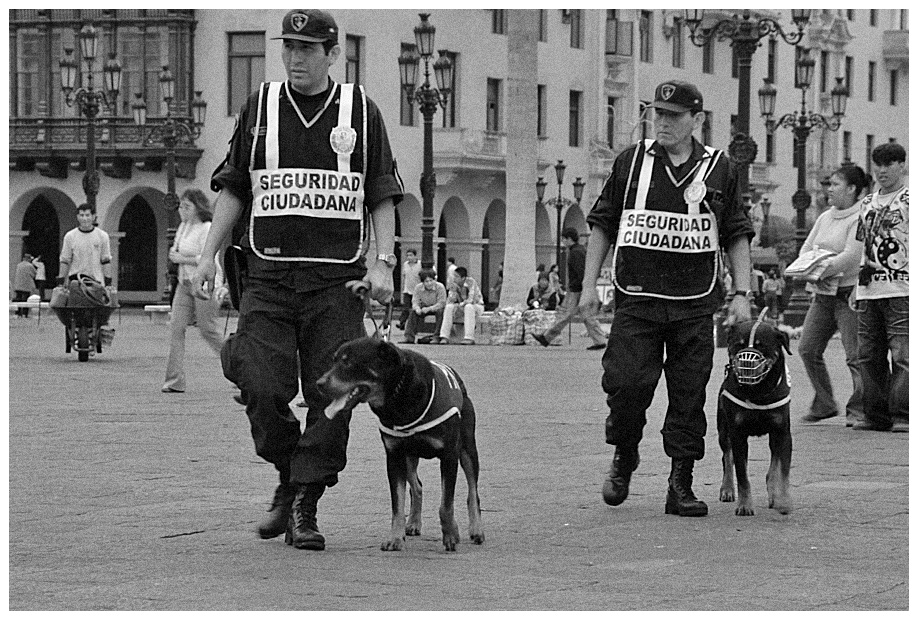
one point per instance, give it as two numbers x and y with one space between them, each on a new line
638 351
280 331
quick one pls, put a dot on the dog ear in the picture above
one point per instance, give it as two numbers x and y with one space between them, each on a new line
388 353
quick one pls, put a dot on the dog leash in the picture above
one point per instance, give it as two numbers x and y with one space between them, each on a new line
384 331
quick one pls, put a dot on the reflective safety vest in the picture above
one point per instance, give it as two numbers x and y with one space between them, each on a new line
310 206
667 254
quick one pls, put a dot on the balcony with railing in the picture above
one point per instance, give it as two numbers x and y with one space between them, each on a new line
53 146
470 150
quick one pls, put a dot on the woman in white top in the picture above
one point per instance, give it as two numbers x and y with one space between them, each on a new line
195 211
835 229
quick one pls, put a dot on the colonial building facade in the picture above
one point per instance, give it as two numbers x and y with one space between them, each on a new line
596 71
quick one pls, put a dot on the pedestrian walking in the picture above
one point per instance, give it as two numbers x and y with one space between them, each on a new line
568 311
882 295
830 309
86 250
41 277
309 169
668 208
190 237
24 283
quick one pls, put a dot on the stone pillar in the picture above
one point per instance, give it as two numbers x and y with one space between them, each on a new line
115 242
522 154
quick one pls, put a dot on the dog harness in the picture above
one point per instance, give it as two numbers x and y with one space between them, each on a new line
749 367
445 401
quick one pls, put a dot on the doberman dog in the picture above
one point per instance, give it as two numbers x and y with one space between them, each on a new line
755 400
424 411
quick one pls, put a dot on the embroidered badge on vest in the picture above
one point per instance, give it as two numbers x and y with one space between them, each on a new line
343 140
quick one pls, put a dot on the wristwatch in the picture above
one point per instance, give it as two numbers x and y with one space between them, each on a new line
389 259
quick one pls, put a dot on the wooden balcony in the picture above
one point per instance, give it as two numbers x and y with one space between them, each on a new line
53 146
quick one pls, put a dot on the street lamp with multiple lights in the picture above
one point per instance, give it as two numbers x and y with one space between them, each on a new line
744 32
802 123
428 98
559 203
88 100
172 130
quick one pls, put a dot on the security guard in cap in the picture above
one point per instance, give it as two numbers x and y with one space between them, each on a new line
667 209
309 170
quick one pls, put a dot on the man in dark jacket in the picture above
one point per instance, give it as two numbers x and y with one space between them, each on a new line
576 261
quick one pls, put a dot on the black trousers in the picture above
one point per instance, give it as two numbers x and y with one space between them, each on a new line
640 350
284 338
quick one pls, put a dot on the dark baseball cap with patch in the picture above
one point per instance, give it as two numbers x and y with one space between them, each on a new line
677 96
309 25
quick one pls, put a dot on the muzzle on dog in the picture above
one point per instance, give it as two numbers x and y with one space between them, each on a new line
749 364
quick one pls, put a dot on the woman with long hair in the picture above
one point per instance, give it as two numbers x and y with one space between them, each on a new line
195 212
835 229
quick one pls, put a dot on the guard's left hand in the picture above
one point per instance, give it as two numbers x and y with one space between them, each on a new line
739 310
379 278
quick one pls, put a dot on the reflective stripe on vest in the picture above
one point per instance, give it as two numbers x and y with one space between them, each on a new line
688 234
291 205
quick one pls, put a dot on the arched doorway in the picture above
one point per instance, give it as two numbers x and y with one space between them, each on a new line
43 240
137 257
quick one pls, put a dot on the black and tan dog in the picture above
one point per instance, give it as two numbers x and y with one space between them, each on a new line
424 411
755 400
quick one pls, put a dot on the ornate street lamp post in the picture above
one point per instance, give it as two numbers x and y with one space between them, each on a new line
172 130
764 235
559 204
744 32
89 100
802 123
428 99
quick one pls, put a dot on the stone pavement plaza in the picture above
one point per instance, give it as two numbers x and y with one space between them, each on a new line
122 497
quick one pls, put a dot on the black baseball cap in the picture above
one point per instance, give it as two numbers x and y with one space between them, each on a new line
309 25
677 96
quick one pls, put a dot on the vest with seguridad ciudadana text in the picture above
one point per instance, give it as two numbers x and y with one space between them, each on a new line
665 253
309 207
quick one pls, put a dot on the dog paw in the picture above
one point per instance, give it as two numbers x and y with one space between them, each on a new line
412 530
744 510
477 537
395 544
727 494
450 540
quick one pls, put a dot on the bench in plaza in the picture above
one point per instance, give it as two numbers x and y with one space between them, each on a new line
159 313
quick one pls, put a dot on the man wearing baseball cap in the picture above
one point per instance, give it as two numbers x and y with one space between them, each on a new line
309 169
666 211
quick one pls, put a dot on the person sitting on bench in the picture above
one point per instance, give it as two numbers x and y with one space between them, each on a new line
464 294
429 298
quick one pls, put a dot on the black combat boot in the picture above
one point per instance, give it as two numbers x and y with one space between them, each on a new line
279 513
680 500
615 487
302 530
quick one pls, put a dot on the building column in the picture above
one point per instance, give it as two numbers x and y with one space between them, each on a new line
115 243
